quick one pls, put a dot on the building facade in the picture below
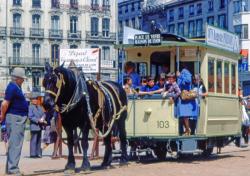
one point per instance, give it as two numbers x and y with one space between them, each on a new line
33 31
129 14
240 15
187 18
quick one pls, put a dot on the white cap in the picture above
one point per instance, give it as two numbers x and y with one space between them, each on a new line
19 72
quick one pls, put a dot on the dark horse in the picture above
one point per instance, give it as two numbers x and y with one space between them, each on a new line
86 104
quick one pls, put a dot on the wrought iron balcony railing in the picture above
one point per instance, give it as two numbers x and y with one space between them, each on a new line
27 61
93 36
105 7
36 33
74 35
17 32
2 31
94 7
56 34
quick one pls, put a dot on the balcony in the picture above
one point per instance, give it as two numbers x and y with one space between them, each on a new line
27 61
99 37
56 34
17 32
55 4
2 31
36 33
74 35
105 8
95 7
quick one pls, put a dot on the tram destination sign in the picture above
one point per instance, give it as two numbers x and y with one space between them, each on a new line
147 39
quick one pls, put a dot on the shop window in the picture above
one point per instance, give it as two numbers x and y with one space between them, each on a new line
211 75
233 77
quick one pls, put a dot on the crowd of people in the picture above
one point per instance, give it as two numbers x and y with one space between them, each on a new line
171 85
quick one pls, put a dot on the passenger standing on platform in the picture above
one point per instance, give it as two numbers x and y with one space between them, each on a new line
200 89
37 121
130 71
15 109
185 108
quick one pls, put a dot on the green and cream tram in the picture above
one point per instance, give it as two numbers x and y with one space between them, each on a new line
151 122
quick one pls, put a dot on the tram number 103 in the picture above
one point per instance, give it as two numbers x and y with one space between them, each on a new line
162 124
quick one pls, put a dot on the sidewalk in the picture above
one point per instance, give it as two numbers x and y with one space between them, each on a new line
45 165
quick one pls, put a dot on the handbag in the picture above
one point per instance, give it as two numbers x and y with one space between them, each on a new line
188 95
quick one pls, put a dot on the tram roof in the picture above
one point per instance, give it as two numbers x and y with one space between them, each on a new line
186 43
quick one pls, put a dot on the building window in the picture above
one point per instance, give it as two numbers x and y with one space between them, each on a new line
199 28
36 21
17 2
222 4
36 54
222 21
36 3
181 13
55 3
219 77
139 6
16 53
242 31
73 24
211 5
171 15
126 8
94 26
127 22
105 3
120 10
199 9
210 20
181 29
105 27
211 75
226 77
191 29
73 46
132 7
16 20
171 28
55 22
191 10
120 26
106 53
240 6
74 4
133 23
55 54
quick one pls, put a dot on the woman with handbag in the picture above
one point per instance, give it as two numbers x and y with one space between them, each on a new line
186 106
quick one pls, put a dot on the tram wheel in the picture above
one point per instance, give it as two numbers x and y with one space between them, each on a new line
207 152
160 152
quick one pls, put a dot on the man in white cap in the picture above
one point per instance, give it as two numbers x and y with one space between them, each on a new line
15 109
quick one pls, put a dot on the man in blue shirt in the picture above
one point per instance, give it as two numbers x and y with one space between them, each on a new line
14 109
150 87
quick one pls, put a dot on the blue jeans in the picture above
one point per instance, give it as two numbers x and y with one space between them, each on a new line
15 126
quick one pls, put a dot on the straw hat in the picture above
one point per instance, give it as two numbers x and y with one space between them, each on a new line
19 73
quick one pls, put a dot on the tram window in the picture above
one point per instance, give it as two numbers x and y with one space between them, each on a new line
219 77
141 69
226 77
233 76
211 75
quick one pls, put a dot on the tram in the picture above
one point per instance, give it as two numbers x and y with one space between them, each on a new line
151 123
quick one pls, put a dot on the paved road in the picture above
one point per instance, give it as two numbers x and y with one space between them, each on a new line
231 162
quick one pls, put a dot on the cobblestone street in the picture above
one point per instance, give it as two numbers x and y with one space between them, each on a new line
231 162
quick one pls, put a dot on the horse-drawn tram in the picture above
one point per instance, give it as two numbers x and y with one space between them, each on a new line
152 122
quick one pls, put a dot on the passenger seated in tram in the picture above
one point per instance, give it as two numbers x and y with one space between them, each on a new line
161 81
150 88
172 91
200 89
127 85
185 108
129 69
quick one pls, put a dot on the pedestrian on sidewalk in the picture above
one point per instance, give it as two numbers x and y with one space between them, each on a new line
37 121
14 109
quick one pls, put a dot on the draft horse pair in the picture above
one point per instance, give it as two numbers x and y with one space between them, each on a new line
85 105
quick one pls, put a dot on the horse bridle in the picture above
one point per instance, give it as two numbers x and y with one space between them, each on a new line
60 82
